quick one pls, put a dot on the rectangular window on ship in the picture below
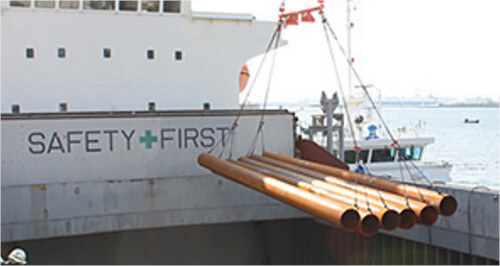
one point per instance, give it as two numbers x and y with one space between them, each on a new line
172 6
20 3
128 5
151 5
65 4
99 5
45 4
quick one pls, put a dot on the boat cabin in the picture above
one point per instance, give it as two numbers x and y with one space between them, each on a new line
385 154
380 150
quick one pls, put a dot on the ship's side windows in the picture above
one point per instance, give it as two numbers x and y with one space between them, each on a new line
349 156
30 52
127 5
171 6
383 155
20 3
106 52
178 55
61 52
150 54
45 4
99 5
417 153
65 4
151 5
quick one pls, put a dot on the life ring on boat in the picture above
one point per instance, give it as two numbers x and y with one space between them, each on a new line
244 76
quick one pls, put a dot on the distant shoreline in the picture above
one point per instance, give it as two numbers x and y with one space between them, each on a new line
404 105
444 106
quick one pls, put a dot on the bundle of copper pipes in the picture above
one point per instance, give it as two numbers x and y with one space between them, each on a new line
348 200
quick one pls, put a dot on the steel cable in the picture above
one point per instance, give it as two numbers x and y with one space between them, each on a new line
242 106
377 111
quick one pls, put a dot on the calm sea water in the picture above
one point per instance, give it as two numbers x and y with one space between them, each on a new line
473 149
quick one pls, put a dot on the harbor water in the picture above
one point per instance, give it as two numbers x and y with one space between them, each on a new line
472 149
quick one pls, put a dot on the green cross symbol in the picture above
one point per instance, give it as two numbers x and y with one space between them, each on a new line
148 139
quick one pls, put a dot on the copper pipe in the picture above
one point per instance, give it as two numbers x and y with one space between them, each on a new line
337 213
427 215
388 219
368 226
445 203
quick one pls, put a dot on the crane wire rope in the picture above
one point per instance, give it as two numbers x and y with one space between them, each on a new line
395 143
351 127
403 159
260 127
339 83
234 125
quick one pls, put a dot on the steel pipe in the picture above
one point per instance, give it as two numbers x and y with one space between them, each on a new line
444 203
368 226
342 215
389 219
426 214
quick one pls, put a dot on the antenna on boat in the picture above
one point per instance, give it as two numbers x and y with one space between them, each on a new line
349 26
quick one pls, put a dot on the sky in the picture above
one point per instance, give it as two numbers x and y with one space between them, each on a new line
405 48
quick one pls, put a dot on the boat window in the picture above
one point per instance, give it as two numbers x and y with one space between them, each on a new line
61 52
417 153
172 6
178 55
411 153
99 5
150 54
383 155
106 53
151 5
350 156
20 3
30 53
45 4
65 4
128 5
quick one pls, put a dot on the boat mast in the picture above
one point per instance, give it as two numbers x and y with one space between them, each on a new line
349 78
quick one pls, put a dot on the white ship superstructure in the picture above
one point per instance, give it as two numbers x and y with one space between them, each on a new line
120 55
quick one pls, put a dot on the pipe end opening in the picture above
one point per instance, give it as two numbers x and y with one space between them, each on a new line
369 225
350 220
408 219
390 220
448 205
428 216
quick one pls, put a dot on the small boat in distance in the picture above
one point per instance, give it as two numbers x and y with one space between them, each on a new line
471 121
